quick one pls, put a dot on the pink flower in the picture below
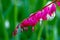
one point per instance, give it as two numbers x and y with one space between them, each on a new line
32 21
46 14
58 3
45 11
38 15
49 12
24 23
34 18
52 9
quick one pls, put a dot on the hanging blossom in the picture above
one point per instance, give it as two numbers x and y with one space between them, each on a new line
47 13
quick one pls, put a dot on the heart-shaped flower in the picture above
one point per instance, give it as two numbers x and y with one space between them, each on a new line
45 11
38 15
24 23
52 10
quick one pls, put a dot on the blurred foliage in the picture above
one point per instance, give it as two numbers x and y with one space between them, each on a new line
15 11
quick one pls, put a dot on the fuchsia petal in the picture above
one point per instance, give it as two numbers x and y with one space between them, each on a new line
45 11
38 15
52 9
32 21
58 3
34 18
25 23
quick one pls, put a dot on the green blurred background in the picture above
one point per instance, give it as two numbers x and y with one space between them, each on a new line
13 12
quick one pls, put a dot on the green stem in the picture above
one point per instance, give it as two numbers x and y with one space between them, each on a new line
47 35
52 34
15 15
40 32
46 28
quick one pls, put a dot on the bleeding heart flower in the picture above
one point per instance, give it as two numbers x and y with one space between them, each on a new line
48 13
34 18
38 15
45 14
52 10
32 21
45 11
25 23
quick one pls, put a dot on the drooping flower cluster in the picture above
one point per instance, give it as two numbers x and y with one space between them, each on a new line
48 13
